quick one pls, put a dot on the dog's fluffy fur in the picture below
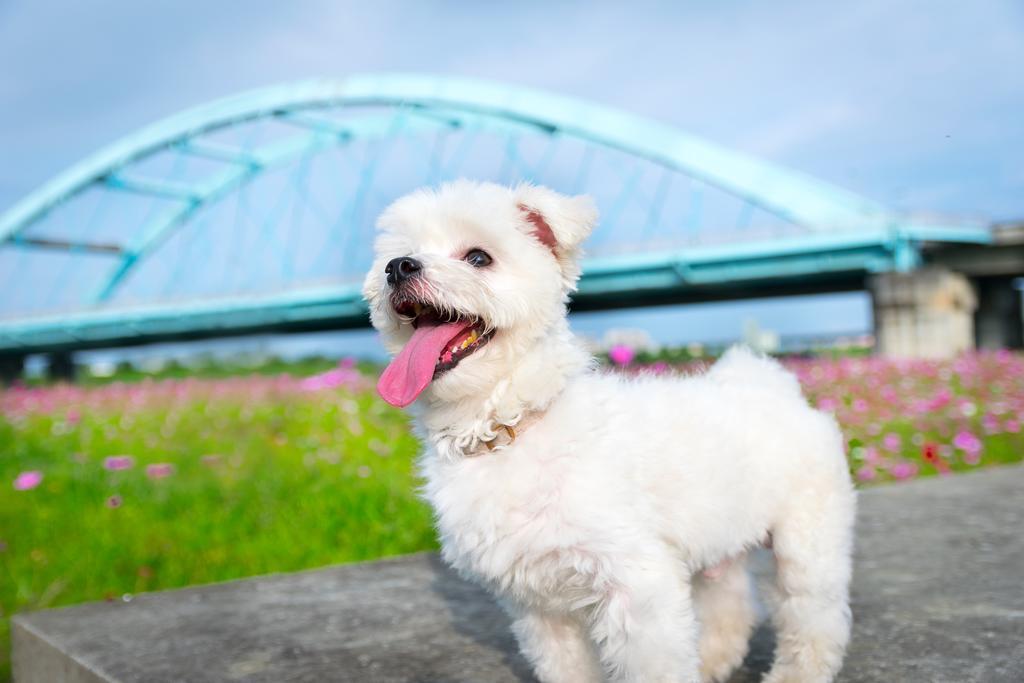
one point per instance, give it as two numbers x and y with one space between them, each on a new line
597 526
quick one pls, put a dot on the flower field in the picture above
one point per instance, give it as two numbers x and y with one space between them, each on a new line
905 419
109 490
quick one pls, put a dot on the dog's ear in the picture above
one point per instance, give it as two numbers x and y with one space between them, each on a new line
558 222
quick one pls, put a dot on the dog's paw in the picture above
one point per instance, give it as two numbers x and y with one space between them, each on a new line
717 666
723 645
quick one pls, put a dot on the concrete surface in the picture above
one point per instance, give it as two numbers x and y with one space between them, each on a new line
938 597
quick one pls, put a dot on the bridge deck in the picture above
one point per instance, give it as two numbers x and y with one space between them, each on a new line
799 265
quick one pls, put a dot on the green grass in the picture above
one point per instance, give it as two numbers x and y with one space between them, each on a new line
286 481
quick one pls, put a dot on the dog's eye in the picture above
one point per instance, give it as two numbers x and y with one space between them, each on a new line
478 258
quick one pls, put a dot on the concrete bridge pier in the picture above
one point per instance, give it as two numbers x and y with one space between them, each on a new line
61 366
12 368
999 323
926 313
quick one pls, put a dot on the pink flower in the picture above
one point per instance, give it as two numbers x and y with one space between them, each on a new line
343 375
866 473
892 442
28 480
827 404
159 470
114 501
118 462
621 355
940 400
903 470
967 442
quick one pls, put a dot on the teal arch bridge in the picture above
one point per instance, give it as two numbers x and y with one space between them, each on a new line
255 213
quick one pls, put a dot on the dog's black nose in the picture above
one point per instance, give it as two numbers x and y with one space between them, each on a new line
401 269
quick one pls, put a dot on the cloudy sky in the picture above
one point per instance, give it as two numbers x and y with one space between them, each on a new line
917 104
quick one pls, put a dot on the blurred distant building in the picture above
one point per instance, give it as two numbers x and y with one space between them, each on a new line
758 339
634 338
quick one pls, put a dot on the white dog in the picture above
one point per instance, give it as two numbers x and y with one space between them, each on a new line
611 515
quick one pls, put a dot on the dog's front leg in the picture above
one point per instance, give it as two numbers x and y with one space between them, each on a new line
646 629
556 645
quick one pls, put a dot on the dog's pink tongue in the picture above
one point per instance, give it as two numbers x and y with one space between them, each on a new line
412 369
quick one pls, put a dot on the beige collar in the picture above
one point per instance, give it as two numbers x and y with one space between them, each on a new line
504 435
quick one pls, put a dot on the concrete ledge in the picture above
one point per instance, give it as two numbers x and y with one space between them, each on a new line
938 598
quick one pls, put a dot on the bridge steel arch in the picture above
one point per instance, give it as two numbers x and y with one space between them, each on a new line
842 232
